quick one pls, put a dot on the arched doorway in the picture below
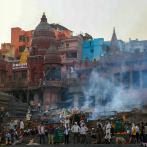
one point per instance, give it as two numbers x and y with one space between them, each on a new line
34 75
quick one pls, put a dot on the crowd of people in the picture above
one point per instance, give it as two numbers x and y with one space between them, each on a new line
11 136
135 134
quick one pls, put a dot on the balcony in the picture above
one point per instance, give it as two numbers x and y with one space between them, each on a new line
4 50
53 83
69 60
68 49
23 43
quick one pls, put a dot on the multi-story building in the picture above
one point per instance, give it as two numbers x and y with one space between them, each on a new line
7 51
70 49
135 45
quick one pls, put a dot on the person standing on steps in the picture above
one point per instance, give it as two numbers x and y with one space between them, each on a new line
66 133
51 132
75 129
41 132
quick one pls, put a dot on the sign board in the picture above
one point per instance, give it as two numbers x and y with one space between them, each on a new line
18 66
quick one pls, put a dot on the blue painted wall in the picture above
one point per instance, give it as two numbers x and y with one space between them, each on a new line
96 46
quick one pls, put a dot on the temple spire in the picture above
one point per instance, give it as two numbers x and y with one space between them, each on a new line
43 19
114 46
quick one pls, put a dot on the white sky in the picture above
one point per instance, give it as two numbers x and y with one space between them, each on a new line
96 17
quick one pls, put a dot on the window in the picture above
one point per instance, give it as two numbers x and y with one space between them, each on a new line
10 78
16 50
67 45
21 48
62 53
15 75
117 79
24 74
144 79
35 76
62 43
20 39
126 80
3 56
23 39
71 55
58 44
136 79
27 39
92 51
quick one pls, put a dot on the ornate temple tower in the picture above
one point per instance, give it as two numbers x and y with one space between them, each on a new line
43 36
114 46
53 86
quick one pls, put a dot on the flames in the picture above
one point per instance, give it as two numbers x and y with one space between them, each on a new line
124 117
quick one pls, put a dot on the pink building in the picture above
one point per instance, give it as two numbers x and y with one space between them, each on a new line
70 49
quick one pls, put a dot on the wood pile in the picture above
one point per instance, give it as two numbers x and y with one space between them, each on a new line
28 124
12 104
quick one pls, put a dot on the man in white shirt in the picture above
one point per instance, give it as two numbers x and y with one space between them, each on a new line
83 132
108 127
66 132
16 122
21 125
75 129
67 121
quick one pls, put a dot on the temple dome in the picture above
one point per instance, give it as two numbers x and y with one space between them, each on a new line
52 56
42 38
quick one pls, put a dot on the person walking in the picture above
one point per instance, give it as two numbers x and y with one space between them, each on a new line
133 133
99 134
108 127
128 130
66 133
75 130
112 127
21 126
51 132
83 131
145 132
12 126
137 132
99 123
16 122
41 131
142 132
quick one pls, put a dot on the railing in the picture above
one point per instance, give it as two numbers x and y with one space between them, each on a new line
68 48
4 50
53 83
69 60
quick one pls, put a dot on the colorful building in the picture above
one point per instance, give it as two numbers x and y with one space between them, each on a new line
22 39
70 49
94 48
7 51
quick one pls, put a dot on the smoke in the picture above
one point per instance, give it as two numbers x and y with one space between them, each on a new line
107 96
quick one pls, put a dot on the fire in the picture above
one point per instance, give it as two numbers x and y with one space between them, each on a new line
124 116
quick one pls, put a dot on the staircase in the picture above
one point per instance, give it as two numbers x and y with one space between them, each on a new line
13 105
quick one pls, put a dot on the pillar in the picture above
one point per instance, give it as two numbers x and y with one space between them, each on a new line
36 98
140 79
76 97
121 81
131 80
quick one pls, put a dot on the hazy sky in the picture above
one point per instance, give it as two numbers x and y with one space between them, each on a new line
96 17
